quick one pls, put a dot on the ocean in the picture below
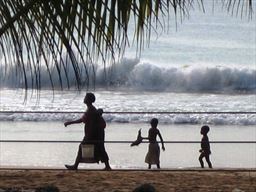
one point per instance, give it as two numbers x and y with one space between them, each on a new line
202 72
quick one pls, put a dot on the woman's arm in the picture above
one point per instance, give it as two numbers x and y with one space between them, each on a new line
73 122
81 120
145 138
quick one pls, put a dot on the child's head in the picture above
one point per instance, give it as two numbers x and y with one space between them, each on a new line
154 122
99 111
205 129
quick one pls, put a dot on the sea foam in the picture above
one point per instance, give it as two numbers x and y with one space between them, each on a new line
146 76
215 119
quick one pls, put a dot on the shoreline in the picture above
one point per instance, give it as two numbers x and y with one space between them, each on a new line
127 180
179 169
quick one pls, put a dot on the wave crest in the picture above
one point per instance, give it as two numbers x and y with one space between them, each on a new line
146 76
133 74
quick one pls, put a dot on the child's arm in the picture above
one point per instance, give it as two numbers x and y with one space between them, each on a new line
145 138
162 141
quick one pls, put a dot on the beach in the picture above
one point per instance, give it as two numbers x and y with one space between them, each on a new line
127 181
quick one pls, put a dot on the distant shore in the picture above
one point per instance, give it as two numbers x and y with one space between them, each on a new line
192 180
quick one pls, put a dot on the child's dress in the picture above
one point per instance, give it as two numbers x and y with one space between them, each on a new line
153 154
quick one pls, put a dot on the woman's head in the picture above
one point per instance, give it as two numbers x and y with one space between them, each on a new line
89 98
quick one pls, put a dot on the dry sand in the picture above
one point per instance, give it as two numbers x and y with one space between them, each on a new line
127 181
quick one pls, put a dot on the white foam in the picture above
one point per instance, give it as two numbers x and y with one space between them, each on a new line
215 119
133 74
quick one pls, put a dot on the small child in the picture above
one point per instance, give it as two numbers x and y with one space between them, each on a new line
100 119
205 147
101 151
153 154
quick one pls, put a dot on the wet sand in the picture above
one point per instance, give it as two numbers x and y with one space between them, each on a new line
196 180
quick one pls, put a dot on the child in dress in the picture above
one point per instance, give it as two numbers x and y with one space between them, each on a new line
205 147
153 154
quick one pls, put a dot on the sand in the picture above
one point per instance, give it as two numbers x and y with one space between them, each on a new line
127 181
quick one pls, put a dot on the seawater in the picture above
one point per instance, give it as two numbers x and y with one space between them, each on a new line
130 101
176 155
206 64
124 127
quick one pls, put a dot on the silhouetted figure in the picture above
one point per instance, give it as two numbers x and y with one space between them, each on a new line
205 147
153 154
91 119
145 188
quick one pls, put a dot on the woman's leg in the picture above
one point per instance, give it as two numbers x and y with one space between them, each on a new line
77 161
103 152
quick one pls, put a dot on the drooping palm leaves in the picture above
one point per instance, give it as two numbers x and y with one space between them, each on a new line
68 37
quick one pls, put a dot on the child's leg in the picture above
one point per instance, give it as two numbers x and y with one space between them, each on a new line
149 166
158 166
201 159
207 158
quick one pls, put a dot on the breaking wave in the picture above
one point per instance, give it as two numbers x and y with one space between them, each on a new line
133 74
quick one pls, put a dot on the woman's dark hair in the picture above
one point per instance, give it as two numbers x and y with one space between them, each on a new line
91 97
